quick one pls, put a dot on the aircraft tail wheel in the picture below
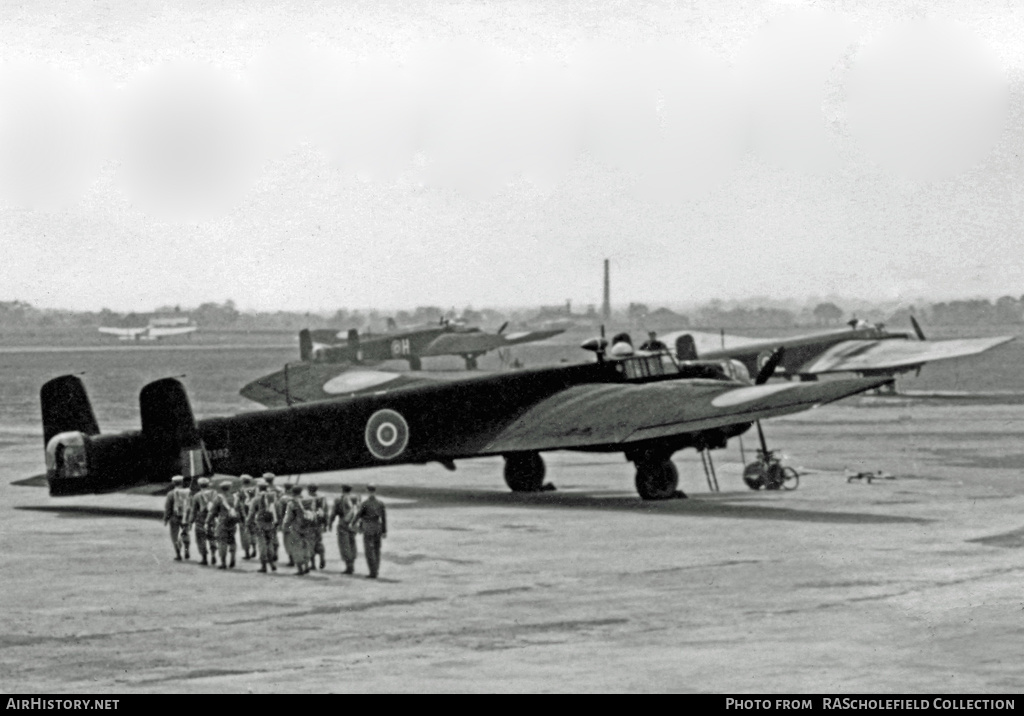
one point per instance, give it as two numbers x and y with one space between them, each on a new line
524 472
656 479
790 479
753 475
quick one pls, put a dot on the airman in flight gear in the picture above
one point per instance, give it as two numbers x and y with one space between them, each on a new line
317 535
345 507
274 492
197 516
221 521
242 497
269 477
297 522
281 509
263 524
622 345
652 343
375 529
176 515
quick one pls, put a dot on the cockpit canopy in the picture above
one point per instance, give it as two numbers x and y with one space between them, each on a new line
638 367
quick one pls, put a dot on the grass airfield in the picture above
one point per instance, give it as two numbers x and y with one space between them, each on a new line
903 585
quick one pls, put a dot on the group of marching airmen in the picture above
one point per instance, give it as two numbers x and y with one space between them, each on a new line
259 509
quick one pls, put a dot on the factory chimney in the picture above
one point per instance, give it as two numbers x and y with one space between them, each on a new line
606 307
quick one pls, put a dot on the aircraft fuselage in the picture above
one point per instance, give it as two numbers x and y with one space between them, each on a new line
432 422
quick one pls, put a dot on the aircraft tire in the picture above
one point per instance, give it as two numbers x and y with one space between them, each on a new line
753 475
656 479
415 363
524 472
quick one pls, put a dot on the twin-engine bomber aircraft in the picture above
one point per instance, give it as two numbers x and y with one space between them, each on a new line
645 406
156 329
447 338
863 348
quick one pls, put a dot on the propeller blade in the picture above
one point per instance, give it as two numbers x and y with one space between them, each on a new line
503 327
768 369
917 329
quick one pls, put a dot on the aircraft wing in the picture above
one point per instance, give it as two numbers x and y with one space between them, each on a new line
475 342
160 332
604 414
710 342
123 332
328 336
867 355
310 382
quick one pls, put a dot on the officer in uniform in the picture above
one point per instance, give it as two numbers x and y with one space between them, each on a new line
263 524
375 528
296 530
320 507
176 515
197 516
242 499
344 510
221 520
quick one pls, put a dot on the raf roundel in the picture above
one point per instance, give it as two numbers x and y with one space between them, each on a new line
387 434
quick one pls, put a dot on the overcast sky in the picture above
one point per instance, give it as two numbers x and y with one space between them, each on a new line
304 156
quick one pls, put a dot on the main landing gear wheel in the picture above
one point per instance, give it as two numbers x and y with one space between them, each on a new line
470 362
415 363
657 479
754 475
770 476
524 472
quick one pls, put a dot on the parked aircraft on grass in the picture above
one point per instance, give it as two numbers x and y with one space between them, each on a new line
154 331
863 348
447 338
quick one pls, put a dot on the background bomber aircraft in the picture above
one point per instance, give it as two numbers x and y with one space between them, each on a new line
863 348
645 406
447 338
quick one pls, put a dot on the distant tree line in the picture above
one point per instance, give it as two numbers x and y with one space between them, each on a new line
227 316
